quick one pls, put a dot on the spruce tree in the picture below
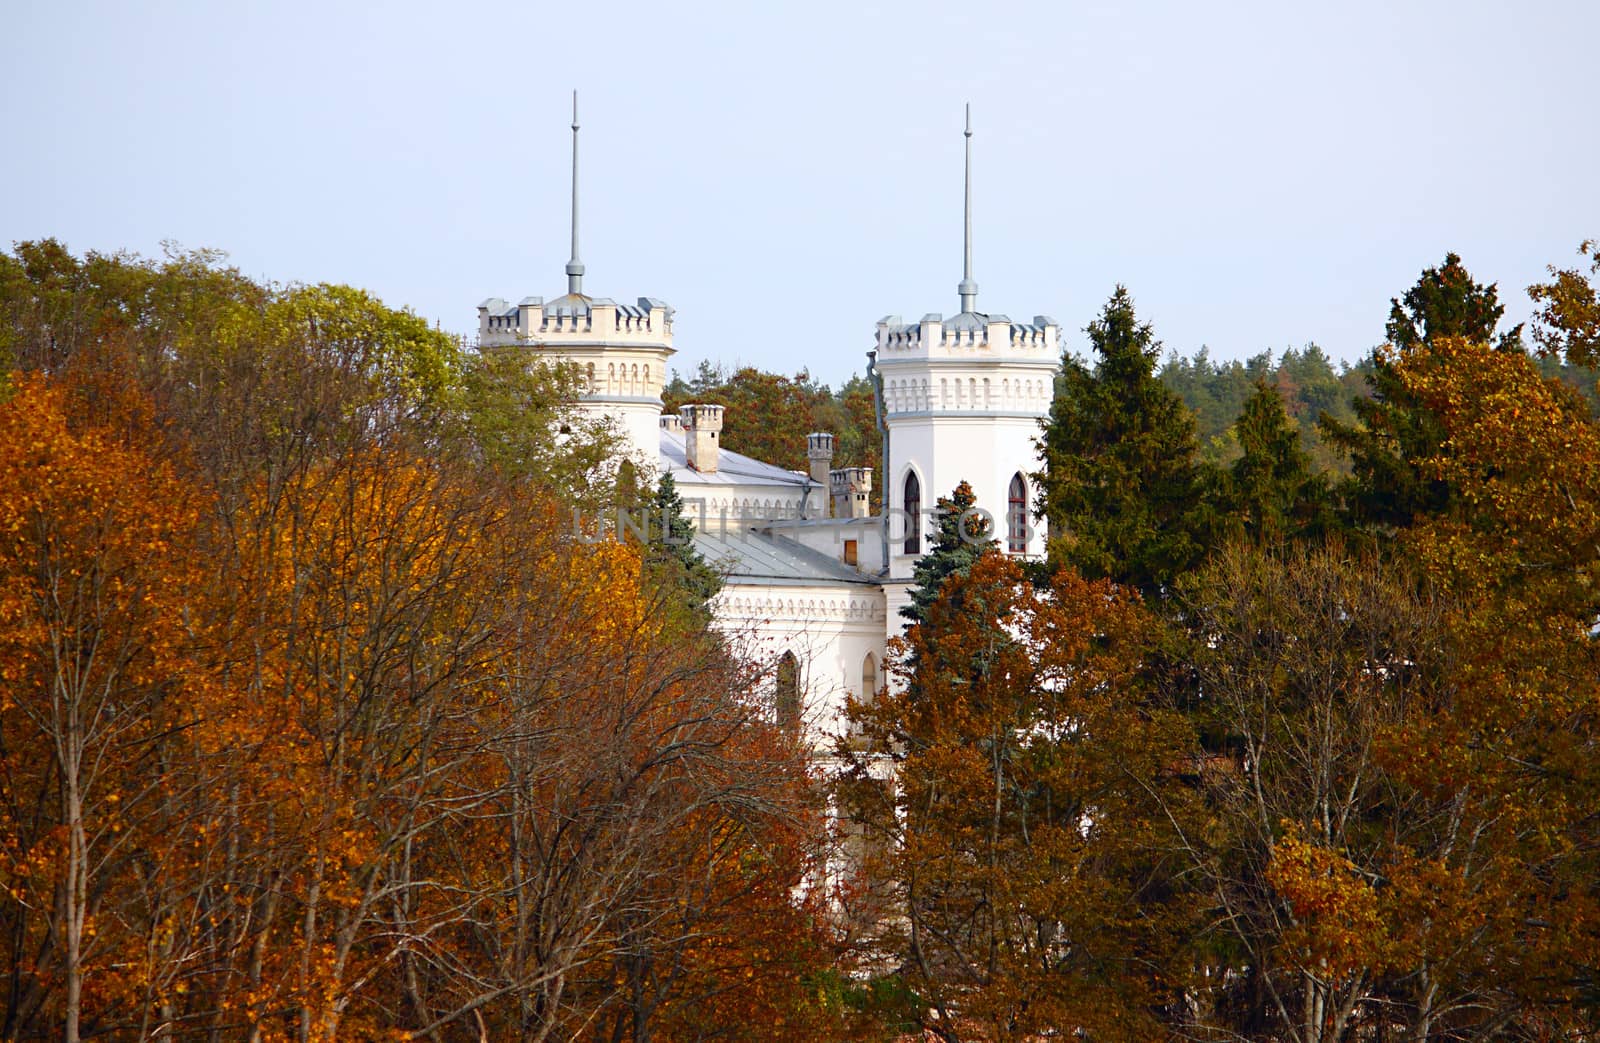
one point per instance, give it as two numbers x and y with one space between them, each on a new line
1272 494
1123 491
670 552
963 536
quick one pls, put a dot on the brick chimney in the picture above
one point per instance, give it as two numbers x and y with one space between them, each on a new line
852 489
702 428
672 422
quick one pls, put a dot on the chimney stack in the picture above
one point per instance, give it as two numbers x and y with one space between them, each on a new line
672 422
702 424
819 450
852 489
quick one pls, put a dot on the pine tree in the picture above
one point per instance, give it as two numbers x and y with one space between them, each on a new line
1393 431
963 536
1445 302
1123 491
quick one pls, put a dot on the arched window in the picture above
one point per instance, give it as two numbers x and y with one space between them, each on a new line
786 692
1017 516
913 508
869 677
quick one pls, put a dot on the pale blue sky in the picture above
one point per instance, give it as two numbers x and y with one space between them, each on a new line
1259 174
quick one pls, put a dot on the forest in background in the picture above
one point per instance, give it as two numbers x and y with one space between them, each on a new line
318 720
769 415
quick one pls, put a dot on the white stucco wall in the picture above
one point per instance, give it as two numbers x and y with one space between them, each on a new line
943 451
964 404
831 629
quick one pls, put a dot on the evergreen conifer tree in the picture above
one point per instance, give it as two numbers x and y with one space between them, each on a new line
1123 491
1272 493
1393 431
964 534
671 553
1445 302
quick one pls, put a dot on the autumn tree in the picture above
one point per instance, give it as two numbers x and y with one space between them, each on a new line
1122 488
1392 433
1022 849
99 562
1372 890
1310 665
1520 555
390 751
1567 323
769 415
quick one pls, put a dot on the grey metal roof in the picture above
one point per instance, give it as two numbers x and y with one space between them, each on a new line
568 304
763 559
732 468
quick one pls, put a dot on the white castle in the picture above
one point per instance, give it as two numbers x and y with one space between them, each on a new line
813 582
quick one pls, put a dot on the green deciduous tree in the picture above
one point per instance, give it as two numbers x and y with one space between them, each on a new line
518 416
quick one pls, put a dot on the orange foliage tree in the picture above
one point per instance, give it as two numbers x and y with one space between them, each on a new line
341 733
1406 845
1027 893
101 674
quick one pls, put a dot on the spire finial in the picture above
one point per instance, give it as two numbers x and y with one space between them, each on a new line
968 289
575 266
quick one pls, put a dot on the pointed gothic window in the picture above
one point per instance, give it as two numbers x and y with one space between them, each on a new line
786 693
913 509
869 677
1017 516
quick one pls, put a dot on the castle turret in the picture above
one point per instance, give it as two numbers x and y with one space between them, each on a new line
962 398
851 488
620 351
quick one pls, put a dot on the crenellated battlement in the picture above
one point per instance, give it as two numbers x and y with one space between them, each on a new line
850 488
966 335
576 320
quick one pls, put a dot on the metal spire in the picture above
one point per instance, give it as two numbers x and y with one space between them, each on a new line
575 266
967 288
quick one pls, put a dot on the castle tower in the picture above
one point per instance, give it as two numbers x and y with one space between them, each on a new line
962 398
621 350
